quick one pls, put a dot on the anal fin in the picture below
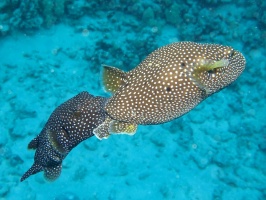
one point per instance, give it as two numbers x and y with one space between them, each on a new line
102 131
110 126
118 127
52 173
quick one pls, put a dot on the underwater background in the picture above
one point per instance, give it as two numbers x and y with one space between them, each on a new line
50 50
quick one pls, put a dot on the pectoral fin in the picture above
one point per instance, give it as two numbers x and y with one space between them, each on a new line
59 140
206 66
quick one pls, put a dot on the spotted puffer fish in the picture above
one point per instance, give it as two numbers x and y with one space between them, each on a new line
69 124
167 84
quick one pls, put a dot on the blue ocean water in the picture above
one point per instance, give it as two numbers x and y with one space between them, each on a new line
51 50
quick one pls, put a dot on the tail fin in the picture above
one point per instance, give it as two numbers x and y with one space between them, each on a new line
35 168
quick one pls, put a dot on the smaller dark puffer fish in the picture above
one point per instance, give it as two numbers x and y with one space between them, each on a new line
69 124
167 84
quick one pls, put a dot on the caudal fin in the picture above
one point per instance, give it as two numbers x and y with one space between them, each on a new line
35 168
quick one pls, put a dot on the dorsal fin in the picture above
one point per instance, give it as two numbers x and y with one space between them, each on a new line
34 143
113 78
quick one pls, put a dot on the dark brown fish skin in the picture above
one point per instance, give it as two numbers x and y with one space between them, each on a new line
70 123
162 87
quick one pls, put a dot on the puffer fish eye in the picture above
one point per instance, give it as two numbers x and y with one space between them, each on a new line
168 89
212 71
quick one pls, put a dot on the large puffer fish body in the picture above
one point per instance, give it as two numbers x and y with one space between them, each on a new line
167 84
69 124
